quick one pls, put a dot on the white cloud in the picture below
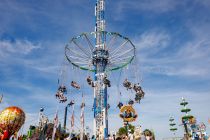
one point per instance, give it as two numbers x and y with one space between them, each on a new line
191 58
196 50
46 58
154 39
24 47
156 7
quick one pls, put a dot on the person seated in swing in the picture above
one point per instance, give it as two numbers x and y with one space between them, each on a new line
130 114
75 85
92 84
127 84
127 114
71 103
62 89
89 80
123 114
63 99
134 115
138 98
131 102
57 95
140 93
106 81
137 87
120 104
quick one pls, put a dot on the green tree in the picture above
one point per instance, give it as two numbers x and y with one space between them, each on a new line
132 128
122 131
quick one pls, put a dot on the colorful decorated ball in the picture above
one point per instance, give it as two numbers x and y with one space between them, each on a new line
128 113
11 120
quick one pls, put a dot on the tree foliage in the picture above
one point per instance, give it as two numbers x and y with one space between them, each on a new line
124 131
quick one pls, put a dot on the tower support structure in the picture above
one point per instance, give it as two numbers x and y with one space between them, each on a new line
100 59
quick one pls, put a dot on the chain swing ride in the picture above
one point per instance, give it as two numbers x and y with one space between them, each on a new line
101 53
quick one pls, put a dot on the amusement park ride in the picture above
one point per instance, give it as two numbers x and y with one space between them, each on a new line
102 52
192 129
186 118
172 125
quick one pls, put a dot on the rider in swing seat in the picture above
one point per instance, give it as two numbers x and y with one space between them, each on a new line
75 85
106 81
89 80
127 84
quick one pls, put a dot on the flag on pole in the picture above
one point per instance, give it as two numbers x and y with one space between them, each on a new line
55 125
82 118
72 121
82 114
72 118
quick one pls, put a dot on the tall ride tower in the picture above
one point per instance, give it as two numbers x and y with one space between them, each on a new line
100 52
100 60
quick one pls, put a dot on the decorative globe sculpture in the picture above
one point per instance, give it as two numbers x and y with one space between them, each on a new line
11 120
128 113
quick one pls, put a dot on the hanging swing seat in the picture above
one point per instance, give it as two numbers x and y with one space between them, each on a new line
107 82
136 87
120 104
71 103
127 84
89 80
62 89
131 102
75 85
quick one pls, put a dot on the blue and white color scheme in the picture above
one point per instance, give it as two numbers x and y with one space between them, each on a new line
100 90
172 40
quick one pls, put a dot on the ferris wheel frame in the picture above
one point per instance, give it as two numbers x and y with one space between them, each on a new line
81 56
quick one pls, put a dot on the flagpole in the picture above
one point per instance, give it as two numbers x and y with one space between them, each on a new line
65 117
82 118
72 121
55 124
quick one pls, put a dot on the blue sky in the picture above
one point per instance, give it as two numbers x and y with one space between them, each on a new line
173 50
